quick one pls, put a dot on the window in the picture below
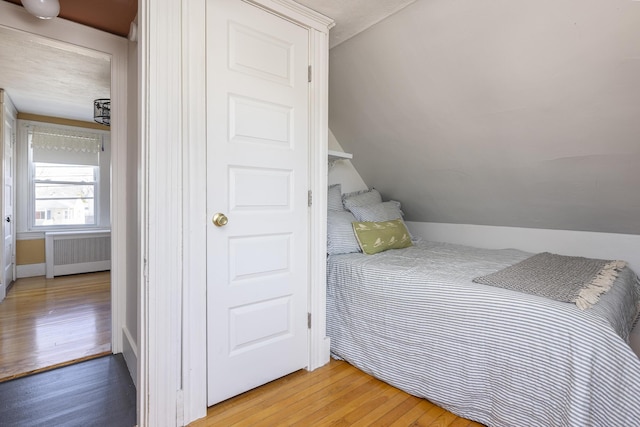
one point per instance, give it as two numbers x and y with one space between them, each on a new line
64 177
64 194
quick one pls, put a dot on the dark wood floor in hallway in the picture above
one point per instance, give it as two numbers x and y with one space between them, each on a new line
97 392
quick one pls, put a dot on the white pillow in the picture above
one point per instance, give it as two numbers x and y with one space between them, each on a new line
340 236
361 198
334 198
385 211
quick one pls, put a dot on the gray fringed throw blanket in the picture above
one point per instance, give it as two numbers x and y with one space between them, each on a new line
558 277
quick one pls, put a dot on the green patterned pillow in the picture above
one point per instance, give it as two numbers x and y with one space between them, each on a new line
374 237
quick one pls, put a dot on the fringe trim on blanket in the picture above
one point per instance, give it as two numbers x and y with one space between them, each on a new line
603 281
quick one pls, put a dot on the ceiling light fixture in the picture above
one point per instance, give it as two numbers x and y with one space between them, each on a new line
43 9
102 111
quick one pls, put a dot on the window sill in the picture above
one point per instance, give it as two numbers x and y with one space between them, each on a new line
40 234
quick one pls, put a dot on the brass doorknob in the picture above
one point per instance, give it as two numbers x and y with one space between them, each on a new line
220 219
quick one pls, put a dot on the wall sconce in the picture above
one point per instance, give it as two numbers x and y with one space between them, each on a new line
43 9
102 111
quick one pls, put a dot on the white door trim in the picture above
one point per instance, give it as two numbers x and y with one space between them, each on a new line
319 129
161 219
14 16
173 378
194 370
195 213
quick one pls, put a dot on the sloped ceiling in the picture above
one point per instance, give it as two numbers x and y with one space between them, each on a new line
506 113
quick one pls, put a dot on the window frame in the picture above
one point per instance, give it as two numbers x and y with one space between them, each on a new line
33 182
99 185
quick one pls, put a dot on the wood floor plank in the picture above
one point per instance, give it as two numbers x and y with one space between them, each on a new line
334 395
99 392
392 399
407 405
430 417
302 411
358 408
314 414
363 405
461 422
46 323
284 400
410 417
293 387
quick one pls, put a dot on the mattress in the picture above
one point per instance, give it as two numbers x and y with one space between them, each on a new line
414 319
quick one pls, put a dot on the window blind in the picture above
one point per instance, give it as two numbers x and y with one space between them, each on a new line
65 146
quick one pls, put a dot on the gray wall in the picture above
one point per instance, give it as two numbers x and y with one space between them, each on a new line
509 113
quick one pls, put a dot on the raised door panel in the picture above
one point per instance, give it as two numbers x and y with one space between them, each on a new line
257 175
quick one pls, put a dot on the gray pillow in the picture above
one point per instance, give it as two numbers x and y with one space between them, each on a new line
334 198
361 198
340 236
385 211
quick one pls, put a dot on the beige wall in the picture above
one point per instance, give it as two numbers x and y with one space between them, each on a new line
30 252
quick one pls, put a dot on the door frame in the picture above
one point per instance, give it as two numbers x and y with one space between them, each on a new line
16 17
173 135
7 107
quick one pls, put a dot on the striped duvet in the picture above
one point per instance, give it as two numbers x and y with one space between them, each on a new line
413 318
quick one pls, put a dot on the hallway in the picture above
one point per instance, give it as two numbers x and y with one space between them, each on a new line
97 392
47 323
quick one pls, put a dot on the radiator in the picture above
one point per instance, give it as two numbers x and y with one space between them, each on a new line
73 252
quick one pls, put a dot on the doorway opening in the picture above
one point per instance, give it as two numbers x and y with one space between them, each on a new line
51 322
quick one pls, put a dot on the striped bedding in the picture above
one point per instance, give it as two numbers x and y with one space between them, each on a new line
413 318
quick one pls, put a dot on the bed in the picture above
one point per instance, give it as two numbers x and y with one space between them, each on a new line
414 318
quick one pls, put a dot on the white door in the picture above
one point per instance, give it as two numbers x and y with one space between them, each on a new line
257 176
9 223
8 163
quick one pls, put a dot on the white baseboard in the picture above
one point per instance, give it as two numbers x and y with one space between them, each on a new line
85 267
327 351
30 270
130 353
565 242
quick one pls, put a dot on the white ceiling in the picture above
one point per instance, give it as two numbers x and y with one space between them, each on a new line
50 78
55 79
354 16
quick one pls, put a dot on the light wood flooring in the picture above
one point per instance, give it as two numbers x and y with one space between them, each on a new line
47 323
335 395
